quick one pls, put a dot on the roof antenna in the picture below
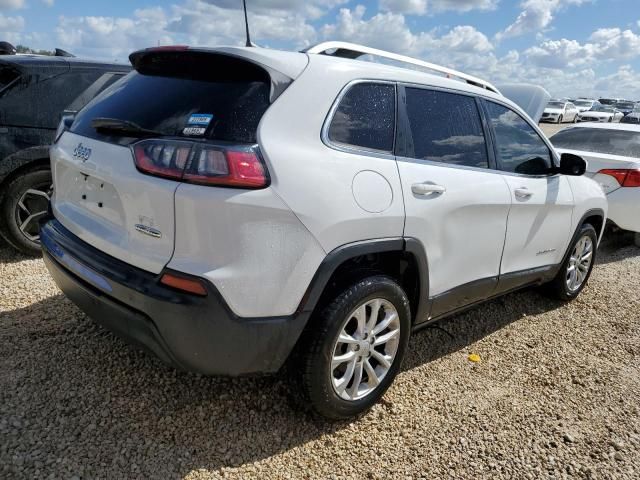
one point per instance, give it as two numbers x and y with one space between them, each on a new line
246 23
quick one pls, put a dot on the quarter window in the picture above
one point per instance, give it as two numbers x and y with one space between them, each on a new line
365 117
519 147
445 127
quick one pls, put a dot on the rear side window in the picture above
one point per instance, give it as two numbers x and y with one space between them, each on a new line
446 127
365 117
519 147
599 140
102 83
173 95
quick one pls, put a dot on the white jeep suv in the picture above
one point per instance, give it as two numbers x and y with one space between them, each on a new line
230 209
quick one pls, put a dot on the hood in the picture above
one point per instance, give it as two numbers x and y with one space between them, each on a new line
553 110
531 98
582 109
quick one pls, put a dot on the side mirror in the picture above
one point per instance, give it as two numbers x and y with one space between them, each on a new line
573 165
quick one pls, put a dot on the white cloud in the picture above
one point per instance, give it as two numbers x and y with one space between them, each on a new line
536 15
11 24
389 31
606 44
48 3
11 4
422 7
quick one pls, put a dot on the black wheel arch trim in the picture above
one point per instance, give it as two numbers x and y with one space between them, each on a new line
594 212
18 160
349 251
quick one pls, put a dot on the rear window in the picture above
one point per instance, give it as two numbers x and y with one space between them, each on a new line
365 117
175 94
599 140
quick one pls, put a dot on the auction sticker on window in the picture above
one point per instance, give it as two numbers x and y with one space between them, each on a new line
200 119
197 124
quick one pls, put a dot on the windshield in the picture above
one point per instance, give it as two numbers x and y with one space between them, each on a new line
602 108
582 103
625 105
599 140
555 105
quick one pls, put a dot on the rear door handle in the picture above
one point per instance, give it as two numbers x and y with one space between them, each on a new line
523 192
427 188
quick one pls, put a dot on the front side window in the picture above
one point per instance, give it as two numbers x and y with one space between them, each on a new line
365 117
599 140
446 127
519 147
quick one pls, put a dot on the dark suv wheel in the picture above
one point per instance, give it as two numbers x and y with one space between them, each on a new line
355 348
25 202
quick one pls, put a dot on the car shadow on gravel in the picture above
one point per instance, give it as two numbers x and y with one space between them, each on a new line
455 333
9 255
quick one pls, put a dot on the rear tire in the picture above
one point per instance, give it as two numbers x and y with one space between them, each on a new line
24 202
560 119
348 357
576 269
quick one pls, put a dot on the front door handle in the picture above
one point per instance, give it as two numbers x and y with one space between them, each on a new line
523 192
427 188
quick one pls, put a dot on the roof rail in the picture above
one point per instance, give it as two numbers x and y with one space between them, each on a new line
354 51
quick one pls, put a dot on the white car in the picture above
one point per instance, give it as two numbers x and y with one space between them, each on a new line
613 157
601 114
585 104
560 112
232 209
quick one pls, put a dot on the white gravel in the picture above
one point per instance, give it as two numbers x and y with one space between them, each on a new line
555 395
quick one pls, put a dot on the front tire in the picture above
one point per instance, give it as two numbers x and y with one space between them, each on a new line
576 269
354 349
560 119
25 201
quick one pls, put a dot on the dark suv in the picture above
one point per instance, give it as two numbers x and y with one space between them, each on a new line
35 92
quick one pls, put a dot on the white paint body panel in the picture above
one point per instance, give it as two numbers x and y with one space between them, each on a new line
540 225
128 198
462 229
248 244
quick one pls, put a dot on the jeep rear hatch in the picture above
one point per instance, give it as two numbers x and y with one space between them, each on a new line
182 116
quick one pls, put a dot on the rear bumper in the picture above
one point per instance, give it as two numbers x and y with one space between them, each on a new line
198 334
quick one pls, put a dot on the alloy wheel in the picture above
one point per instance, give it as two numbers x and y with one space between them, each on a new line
32 206
365 349
580 263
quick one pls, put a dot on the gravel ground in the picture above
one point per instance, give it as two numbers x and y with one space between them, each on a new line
550 129
555 395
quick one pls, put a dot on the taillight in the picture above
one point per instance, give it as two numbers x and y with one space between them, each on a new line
624 177
202 163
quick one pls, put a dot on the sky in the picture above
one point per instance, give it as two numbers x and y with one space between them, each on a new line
570 47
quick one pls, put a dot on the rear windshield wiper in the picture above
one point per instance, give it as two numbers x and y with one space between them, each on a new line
124 127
